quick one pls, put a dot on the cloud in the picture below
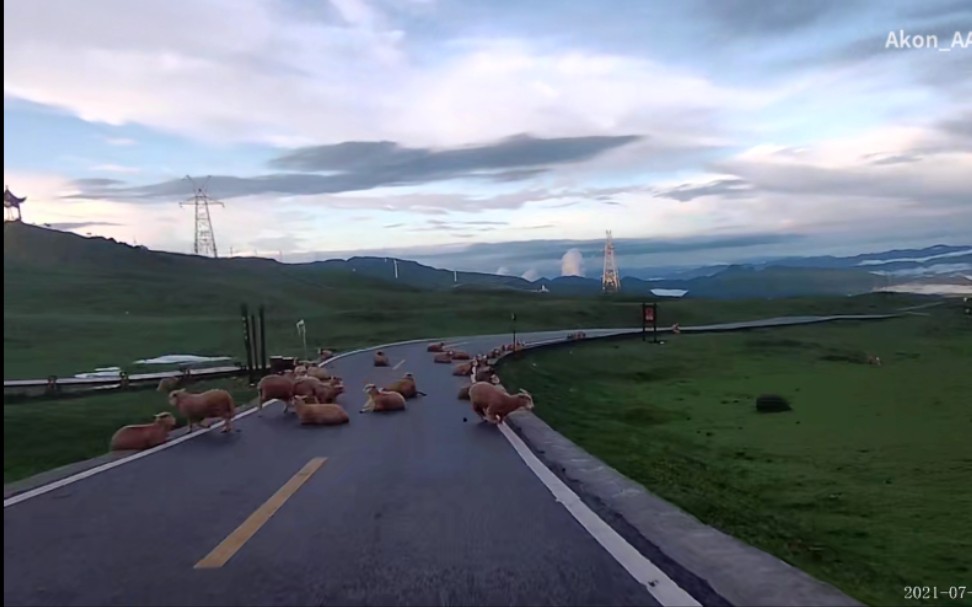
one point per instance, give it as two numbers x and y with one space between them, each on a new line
572 263
530 275
348 76
503 271
119 141
77 225
731 188
394 162
96 182
754 18
115 168
357 166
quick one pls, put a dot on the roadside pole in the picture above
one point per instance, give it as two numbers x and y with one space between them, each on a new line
247 342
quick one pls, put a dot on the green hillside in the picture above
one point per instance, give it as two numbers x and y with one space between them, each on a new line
72 304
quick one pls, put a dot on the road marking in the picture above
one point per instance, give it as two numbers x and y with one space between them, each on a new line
235 540
80 476
26 495
658 584
400 363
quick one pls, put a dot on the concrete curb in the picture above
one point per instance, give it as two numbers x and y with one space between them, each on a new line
712 564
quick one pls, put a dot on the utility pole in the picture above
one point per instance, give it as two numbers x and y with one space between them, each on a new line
610 281
204 242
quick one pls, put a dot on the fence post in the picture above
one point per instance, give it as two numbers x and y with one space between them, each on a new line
52 387
263 341
245 313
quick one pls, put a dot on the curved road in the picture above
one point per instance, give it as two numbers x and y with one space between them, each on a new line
417 508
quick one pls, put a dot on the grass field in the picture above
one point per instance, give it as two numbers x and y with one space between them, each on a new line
865 483
41 435
52 340
73 304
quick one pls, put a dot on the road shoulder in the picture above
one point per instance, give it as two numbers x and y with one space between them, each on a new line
707 562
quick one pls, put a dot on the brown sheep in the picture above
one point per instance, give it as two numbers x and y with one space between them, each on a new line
311 412
300 371
319 372
324 354
143 436
463 368
382 400
406 387
168 384
275 387
196 408
439 347
323 392
458 355
464 392
445 358
381 359
493 404
483 373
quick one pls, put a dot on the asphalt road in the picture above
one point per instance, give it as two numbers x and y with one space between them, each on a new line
413 508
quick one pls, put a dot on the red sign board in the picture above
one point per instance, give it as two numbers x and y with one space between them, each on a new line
649 314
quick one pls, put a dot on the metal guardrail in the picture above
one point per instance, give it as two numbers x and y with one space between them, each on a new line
75 385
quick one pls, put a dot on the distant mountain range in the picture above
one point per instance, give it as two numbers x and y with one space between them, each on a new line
923 270
722 282
947 260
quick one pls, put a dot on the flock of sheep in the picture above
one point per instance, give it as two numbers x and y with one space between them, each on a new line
312 392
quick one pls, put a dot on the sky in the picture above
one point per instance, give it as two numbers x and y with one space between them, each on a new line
496 135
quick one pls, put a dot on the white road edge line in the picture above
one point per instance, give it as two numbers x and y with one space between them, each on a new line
80 476
26 495
658 584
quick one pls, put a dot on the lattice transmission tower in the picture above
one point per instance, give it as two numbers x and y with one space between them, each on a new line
610 280
204 242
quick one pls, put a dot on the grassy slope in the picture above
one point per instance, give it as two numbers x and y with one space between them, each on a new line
38 436
865 484
73 304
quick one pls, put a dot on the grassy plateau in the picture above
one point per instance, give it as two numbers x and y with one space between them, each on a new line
865 483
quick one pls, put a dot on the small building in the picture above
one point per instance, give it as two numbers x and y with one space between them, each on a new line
11 205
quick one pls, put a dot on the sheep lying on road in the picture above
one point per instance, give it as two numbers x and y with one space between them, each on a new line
381 360
143 436
463 368
406 387
458 355
439 347
311 412
482 373
493 404
196 408
382 400
445 357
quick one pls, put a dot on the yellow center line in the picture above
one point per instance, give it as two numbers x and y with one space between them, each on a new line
235 540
